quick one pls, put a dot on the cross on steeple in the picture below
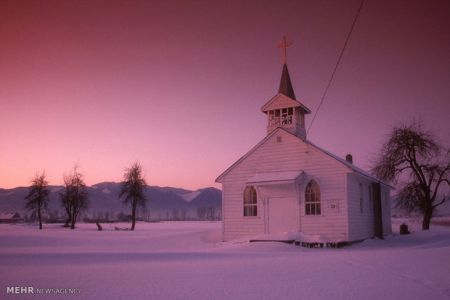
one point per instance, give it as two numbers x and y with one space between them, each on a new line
284 110
283 45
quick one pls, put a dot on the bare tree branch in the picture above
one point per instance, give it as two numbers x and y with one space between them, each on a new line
37 198
132 190
412 151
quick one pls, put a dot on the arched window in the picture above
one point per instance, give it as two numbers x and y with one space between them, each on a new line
312 198
250 202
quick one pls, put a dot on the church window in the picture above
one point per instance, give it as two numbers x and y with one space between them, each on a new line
312 198
286 116
274 117
250 202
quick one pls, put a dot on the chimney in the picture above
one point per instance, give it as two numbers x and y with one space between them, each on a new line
349 158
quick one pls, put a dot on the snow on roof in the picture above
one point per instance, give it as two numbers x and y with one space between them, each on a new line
275 177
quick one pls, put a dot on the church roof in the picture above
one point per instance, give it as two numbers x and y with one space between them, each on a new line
285 97
350 165
282 101
342 161
285 84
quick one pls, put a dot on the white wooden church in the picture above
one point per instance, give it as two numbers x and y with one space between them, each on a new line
286 184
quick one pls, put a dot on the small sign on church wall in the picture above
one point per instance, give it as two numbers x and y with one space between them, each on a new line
333 206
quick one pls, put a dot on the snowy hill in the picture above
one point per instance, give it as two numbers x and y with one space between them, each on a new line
163 202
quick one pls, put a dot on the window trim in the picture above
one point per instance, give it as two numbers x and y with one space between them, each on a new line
312 205
250 206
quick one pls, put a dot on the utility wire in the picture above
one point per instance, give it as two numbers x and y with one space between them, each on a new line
337 65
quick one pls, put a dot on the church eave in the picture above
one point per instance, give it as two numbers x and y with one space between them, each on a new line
305 109
287 102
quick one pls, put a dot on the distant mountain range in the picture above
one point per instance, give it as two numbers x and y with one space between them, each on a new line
164 203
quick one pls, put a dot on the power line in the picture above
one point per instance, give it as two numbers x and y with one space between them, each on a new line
337 65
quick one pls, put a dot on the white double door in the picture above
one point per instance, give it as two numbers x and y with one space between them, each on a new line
282 214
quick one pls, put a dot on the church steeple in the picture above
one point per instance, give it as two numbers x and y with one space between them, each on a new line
285 84
284 110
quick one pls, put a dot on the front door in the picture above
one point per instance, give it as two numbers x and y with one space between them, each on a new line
283 215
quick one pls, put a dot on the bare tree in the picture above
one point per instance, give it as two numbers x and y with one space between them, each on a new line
132 190
74 198
66 203
37 197
413 153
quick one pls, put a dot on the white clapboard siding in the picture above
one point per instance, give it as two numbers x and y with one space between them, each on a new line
282 151
361 222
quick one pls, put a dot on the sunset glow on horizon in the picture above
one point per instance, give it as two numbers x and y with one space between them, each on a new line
178 85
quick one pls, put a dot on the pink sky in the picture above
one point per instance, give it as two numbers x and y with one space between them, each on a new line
178 85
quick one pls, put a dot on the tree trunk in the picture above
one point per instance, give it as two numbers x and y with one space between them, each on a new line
73 219
133 216
99 227
40 217
428 214
69 218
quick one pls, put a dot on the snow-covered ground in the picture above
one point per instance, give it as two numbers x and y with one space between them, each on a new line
186 260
